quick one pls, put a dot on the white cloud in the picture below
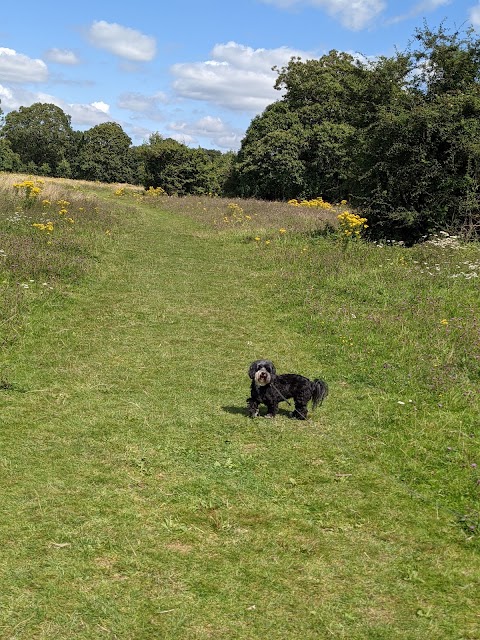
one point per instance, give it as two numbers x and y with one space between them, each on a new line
475 16
137 133
238 77
209 128
101 106
15 97
430 5
87 114
7 99
243 57
183 138
353 14
122 41
16 67
420 8
82 114
62 56
148 106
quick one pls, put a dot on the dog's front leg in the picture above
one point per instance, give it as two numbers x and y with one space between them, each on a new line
252 407
272 408
253 402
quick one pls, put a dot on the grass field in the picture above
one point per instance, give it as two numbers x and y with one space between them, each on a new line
138 500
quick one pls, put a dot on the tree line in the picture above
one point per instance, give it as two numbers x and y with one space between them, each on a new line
398 137
40 140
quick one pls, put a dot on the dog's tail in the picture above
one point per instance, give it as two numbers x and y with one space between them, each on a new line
319 392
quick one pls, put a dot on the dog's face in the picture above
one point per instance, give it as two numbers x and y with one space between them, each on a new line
262 372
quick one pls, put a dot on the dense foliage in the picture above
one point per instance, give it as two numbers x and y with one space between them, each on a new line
180 170
40 138
396 136
103 154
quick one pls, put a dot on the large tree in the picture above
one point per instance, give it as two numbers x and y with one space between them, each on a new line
176 168
40 134
305 144
9 161
104 154
268 164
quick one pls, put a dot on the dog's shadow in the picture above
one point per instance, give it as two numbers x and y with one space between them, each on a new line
235 410
242 411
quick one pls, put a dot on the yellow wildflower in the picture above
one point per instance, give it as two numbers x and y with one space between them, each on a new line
351 224
314 203
48 226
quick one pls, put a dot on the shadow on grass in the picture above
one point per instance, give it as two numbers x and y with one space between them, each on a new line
263 410
11 386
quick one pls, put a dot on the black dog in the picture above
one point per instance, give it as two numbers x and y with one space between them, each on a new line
269 389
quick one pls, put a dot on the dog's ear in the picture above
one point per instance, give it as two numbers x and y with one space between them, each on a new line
274 372
253 369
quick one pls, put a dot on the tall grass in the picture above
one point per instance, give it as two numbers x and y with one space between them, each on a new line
50 238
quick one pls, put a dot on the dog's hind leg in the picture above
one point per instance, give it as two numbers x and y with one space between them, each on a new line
301 412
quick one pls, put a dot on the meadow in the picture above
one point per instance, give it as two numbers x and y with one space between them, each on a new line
139 501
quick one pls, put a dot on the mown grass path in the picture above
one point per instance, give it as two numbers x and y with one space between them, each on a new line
139 501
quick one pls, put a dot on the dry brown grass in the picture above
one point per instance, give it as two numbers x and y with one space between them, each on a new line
260 215
53 188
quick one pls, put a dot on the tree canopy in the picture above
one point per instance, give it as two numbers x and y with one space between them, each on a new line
40 140
40 134
181 170
103 154
397 136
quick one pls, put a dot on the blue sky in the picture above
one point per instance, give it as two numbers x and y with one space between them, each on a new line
197 71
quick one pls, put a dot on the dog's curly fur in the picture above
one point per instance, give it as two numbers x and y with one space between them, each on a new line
270 389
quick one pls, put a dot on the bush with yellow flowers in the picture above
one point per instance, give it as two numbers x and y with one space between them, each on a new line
155 192
315 203
47 227
351 225
30 189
